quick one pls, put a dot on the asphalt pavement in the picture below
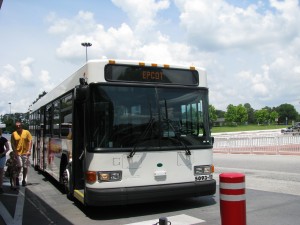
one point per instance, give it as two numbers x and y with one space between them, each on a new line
42 202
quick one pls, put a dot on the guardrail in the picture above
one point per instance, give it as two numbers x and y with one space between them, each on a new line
276 143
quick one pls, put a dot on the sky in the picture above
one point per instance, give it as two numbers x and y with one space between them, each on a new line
249 48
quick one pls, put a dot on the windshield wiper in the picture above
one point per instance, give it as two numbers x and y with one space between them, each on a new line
144 134
187 150
178 137
131 154
142 137
177 134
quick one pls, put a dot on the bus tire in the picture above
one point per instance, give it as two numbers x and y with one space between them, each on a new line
67 183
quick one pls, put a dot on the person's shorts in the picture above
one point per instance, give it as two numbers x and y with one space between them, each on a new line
2 162
23 161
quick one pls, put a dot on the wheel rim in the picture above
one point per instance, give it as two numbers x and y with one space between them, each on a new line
66 179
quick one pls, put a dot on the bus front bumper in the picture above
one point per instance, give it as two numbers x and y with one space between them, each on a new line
143 194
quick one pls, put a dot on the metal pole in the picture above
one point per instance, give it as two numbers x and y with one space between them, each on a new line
163 221
86 53
86 45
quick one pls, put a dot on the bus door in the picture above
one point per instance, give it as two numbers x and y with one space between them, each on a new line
78 145
38 141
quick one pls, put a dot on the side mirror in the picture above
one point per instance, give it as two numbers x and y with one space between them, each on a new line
81 93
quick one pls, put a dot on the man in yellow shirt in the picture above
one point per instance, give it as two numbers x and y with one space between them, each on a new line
21 143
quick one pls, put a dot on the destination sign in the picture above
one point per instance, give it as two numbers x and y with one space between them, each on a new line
132 73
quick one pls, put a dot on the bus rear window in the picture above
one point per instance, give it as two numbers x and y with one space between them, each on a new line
132 73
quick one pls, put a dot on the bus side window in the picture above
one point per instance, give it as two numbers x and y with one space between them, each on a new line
66 117
66 130
56 118
102 124
48 120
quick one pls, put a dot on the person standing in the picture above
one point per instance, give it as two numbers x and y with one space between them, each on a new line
21 143
4 148
13 170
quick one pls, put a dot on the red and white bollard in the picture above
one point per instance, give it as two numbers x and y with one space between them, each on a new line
232 199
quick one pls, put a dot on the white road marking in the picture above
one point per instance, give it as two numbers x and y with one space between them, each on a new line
18 216
175 220
5 214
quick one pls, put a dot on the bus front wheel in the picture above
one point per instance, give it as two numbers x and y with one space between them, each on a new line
67 183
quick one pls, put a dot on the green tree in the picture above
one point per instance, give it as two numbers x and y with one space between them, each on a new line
261 116
287 112
241 114
269 109
39 97
220 113
273 116
212 113
230 114
250 112
9 122
236 114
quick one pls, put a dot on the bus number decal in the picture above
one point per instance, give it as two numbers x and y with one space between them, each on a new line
202 178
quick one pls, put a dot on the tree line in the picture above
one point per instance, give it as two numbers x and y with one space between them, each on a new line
10 119
245 114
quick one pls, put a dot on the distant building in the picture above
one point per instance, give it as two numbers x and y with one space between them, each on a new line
219 122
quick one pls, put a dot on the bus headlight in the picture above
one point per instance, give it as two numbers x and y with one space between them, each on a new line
207 169
109 176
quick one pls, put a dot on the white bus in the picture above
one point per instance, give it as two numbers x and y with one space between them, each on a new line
124 132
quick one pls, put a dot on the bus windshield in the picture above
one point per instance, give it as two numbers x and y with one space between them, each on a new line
148 117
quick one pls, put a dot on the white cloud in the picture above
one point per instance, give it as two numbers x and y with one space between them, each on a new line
260 89
168 51
123 42
118 42
251 52
21 90
214 25
83 22
254 49
114 42
7 86
142 15
258 84
9 69
26 68
45 79
285 71
7 83
70 47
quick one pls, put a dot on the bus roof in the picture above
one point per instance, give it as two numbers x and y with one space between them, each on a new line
90 71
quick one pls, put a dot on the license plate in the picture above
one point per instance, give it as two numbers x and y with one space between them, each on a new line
203 177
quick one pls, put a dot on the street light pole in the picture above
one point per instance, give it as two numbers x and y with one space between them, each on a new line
86 45
9 108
